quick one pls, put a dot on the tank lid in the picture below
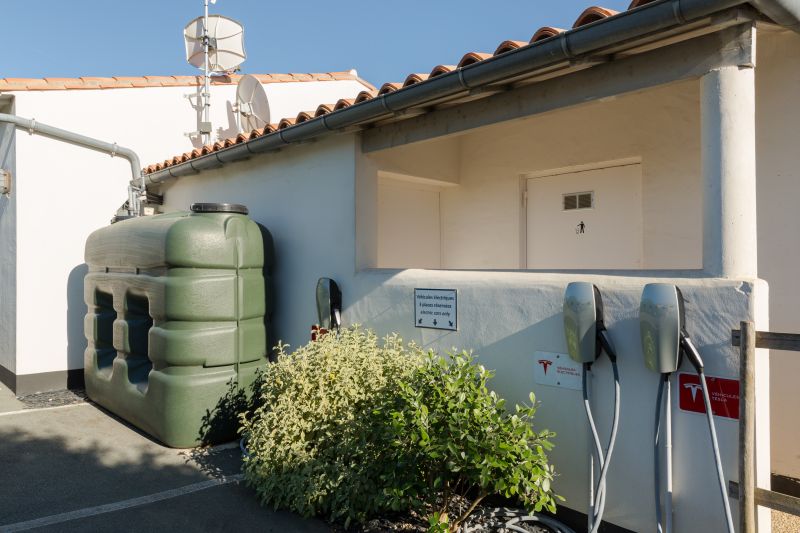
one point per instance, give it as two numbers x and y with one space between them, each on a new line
219 208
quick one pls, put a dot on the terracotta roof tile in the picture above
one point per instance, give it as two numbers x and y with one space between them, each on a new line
363 96
117 82
324 109
14 87
507 46
638 3
593 14
344 102
415 78
545 33
114 84
390 87
26 81
343 75
471 58
302 116
438 70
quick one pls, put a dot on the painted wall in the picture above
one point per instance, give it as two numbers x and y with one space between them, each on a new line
63 193
483 218
409 231
777 116
306 199
660 126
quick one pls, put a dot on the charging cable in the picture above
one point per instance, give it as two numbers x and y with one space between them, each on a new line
597 494
697 362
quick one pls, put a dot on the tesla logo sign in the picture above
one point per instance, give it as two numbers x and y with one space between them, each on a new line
693 387
557 370
724 394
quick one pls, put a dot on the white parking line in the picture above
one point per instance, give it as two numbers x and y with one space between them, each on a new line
39 409
118 506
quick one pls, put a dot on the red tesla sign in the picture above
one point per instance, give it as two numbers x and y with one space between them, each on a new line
724 395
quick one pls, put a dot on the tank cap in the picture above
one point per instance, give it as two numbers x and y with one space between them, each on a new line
219 208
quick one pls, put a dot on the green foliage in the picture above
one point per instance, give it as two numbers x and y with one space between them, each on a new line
453 436
348 428
318 443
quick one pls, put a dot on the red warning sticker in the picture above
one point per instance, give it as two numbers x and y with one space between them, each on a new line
724 395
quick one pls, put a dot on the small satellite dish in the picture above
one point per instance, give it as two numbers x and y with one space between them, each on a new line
252 103
225 43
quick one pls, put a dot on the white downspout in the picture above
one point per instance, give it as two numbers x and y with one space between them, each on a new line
113 149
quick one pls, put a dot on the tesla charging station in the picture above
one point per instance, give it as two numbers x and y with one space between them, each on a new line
587 338
665 340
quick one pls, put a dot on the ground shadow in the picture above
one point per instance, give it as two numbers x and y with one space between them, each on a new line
221 424
64 460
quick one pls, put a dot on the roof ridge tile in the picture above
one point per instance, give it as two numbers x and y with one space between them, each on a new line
115 82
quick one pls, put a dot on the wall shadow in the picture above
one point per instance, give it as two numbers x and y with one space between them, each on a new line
76 311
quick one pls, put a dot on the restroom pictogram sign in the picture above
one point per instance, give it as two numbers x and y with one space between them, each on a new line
724 395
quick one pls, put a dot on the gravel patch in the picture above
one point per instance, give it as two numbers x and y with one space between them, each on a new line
53 398
484 520
785 523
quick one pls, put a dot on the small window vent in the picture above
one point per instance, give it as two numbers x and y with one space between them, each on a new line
578 200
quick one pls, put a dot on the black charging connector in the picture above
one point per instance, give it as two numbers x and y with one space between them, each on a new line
605 342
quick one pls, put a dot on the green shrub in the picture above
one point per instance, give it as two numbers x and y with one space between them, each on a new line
318 443
454 437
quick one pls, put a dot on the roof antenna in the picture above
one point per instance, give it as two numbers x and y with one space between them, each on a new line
214 44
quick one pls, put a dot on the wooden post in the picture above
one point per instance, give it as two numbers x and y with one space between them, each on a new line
747 429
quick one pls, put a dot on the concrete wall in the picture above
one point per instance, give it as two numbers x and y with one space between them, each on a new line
507 316
63 193
777 116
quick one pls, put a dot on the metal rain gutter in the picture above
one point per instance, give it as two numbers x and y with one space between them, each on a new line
113 149
629 25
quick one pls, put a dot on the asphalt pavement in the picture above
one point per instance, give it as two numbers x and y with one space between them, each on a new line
79 468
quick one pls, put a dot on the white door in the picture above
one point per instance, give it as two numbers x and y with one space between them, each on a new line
591 219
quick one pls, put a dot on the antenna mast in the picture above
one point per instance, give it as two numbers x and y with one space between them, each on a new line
205 132
213 44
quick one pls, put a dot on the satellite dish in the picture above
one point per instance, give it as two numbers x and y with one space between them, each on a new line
252 103
225 43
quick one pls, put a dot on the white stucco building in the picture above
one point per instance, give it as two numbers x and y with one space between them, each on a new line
61 193
671 128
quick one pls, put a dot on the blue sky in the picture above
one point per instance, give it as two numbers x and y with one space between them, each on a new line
383 40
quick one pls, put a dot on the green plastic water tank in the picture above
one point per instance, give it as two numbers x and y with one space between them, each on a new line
176 322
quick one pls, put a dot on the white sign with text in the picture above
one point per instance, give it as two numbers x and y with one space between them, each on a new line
557 370
436 308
